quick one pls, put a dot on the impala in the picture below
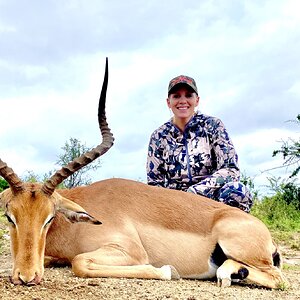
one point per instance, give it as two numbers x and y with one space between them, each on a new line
123 228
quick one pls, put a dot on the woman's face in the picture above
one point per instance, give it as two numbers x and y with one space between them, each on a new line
182 102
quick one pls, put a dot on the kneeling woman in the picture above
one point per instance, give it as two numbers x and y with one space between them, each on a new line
193 152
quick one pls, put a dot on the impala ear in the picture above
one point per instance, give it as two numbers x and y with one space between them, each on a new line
74 212
5 197
78 216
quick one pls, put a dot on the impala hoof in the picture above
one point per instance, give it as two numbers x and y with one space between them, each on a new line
169 273
224 282
174 274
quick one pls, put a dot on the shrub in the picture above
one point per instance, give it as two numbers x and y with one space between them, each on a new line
277 214
3 184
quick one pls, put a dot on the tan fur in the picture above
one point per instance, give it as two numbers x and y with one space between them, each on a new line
144 230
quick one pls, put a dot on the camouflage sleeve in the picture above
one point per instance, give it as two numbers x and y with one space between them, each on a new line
155 163
224 160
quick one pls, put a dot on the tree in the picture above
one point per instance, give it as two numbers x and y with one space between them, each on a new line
287 189
290 151
3 184
30 176
249 183
73 149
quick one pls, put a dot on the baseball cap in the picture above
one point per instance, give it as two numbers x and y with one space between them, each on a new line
183 79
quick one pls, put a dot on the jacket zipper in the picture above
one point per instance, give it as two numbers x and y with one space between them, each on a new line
187 158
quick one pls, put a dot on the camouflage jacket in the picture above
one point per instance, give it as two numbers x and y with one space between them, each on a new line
202 157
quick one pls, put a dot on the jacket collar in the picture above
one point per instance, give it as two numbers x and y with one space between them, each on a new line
176 132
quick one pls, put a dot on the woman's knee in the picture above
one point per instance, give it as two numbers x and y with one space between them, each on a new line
236 194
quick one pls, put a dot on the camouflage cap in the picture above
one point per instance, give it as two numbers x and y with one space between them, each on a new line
182 79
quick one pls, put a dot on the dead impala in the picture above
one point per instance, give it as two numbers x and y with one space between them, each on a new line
146 231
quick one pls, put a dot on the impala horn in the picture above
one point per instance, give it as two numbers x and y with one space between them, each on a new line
86 158
11 177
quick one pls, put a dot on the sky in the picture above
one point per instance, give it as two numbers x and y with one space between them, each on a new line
244 56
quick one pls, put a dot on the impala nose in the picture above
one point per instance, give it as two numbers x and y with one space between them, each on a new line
32 280
26 280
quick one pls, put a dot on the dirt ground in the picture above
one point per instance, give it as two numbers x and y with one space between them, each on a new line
60 283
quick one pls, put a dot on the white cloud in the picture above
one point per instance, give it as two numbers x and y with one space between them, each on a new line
243 55
295 89
256 150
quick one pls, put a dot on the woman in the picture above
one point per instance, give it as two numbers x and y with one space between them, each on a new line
193 152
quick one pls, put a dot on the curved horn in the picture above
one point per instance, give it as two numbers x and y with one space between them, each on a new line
11 177
86 158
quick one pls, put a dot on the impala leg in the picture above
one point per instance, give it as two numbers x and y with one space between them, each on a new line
225 271
50 261
269 276
136 271
115 262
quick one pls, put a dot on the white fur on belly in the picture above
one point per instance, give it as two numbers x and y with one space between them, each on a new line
207 275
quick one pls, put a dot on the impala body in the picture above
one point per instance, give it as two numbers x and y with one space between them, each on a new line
146 232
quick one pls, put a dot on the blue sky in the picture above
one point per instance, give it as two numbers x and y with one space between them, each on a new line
244 56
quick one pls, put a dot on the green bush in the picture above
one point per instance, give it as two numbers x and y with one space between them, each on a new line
3 184
277 214
291 194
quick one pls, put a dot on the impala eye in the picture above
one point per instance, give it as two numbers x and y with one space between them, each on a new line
9 219
48 222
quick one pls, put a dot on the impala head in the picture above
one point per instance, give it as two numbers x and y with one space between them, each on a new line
31 207
30 213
